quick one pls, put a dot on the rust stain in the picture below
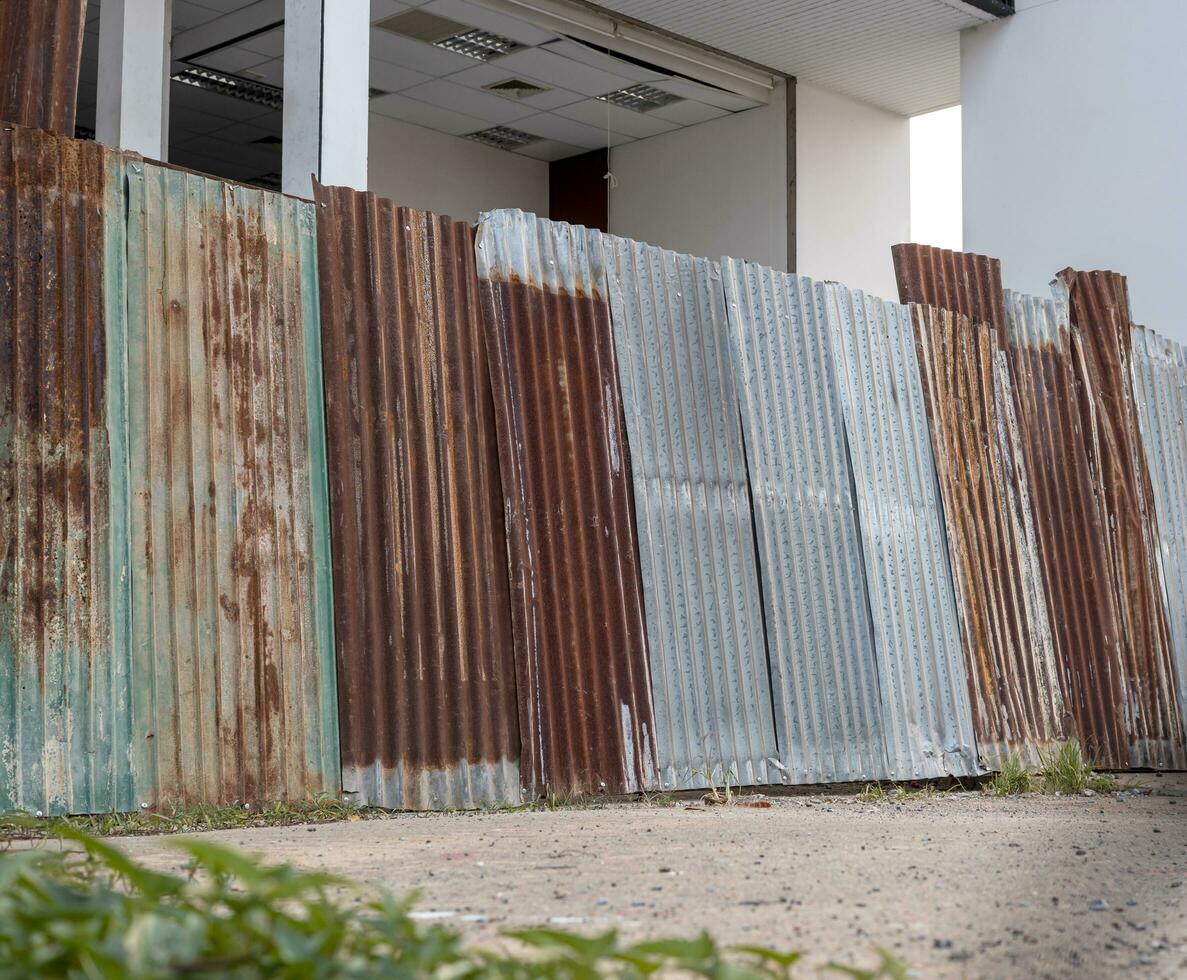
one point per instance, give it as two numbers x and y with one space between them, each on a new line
427 682
1089 493
1014 678
581 654
61 718
40 58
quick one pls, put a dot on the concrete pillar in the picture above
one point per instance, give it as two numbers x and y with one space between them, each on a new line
326 93
132 110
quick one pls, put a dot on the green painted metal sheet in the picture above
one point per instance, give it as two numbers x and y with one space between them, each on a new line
230 616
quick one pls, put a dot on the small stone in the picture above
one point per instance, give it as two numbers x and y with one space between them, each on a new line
942 944
1098 905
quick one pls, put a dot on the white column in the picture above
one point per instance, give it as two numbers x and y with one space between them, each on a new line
326 88
132 111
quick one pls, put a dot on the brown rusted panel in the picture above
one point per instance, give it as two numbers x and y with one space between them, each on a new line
426 668
1014 678
1076 416
63 700
963 282
1098 304
40 55
581 648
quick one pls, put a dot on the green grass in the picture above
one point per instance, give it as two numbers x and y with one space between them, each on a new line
173 819
89 911
1064 770
897 792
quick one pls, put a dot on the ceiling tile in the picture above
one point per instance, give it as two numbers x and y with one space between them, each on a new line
619 120
551 126
562 72
410 53
606 62
470 101
213 103
429 116
489 20
549 150
233 59
383 9
187 15
270 43
270 71
392 78
688 113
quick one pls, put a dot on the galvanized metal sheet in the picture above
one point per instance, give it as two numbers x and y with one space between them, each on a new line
1159 369
231 616
825 674
40 58
425 659
65 718
1098 304
705 632
1015 686
929 730
577 608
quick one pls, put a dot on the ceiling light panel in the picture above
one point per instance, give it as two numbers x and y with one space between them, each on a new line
478 44
502 137
243 89
641 98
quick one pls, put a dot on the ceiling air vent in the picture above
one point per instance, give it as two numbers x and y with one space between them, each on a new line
641 98
515 88
502 137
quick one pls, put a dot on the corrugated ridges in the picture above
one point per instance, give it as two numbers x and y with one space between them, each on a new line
1014 677
707 647
64 712
1159 368
929 730
581 652
824 668
1098 304
962 282
425 659
231 618
40 58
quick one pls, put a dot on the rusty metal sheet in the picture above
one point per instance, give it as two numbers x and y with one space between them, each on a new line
1090 517
40 58
705 632
577 607
425 660
64 712
824 666
925 695
231 614
1159 369
1014 678
1150 718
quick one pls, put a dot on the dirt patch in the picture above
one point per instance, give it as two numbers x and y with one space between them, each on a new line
958 885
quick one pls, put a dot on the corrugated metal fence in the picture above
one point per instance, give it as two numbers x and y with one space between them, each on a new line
1089 491
40 58
604 517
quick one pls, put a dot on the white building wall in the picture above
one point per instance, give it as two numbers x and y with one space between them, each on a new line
717 188
421 168
1075 146
853 189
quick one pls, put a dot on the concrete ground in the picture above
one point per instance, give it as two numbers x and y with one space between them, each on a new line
958 885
